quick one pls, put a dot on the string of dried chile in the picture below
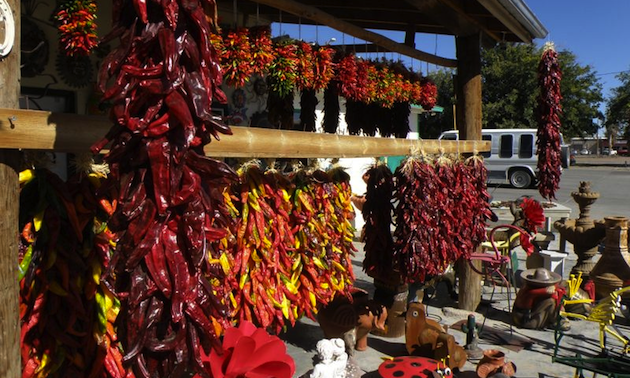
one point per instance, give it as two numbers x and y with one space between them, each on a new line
161 81
440 214
262 263
67 311
477 178
377 213
261 48
417 226
548 112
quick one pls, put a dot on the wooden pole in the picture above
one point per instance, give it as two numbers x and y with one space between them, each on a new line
10 366
314 14
469 87
39 130
469 125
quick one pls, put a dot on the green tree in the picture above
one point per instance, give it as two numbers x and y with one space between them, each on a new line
581 97
510 86
431 125
618 109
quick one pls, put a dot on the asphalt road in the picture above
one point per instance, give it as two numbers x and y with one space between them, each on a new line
612 183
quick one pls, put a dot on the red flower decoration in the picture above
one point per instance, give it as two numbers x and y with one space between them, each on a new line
251 352
533 213
526 243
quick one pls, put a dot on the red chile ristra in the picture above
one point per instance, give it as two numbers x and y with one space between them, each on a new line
161 81
549 110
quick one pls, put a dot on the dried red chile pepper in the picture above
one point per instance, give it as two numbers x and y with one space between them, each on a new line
548 112
440 214
377 213
172 210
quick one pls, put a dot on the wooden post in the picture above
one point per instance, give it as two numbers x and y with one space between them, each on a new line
468 118
468 89
10 365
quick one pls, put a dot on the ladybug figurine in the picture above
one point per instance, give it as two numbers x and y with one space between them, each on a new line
414 366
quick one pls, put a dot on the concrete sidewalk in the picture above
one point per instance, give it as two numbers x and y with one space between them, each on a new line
531 354
602 160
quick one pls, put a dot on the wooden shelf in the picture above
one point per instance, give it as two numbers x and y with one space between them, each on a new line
39 130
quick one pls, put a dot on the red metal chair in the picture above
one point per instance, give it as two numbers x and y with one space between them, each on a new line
495 264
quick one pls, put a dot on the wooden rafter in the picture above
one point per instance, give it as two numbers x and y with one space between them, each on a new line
317 15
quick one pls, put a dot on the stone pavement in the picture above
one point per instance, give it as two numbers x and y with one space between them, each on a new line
529 350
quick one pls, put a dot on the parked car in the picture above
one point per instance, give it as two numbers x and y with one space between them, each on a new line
512 157
585 151
607 151
623 150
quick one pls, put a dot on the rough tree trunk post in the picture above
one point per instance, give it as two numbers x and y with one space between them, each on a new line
468 92
10 366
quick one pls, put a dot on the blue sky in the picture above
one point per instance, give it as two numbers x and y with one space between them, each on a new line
596 32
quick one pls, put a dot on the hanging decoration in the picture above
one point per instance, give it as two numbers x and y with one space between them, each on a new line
377 213
35 49
77 27
548 112
261 48
68 310
283 71
441 212
305 66
161 81
236 58
324 67
290 250
76 71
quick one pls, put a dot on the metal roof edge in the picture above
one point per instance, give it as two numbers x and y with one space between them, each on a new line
519 10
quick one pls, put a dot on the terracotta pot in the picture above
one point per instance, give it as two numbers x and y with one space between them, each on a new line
491 362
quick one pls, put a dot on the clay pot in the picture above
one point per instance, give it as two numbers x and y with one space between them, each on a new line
493 362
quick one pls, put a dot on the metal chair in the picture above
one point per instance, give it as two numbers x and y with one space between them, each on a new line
497 262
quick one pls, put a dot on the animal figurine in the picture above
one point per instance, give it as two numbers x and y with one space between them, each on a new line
428 338
603 313
352 321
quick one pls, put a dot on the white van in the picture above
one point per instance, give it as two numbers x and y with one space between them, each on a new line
512 157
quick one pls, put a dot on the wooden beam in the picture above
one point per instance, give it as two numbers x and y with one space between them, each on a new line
31 129
10 361
317 15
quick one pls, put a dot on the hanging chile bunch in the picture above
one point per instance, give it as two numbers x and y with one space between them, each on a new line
171 213
548 111
261 48
282 77
377 213
441 213
77 27
236 58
